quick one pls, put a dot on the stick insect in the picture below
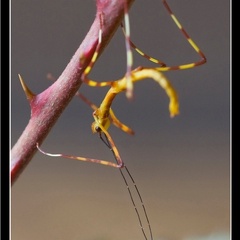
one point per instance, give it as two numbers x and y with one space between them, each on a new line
104 115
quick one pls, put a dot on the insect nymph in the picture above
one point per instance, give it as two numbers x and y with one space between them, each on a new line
104 115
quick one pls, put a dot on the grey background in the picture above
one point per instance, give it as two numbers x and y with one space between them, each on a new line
181 165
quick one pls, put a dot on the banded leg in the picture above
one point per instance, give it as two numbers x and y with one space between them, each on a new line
154 60
93 60
99 129
129 91
163 66
191 42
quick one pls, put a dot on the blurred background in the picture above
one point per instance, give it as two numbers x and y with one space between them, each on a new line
181 165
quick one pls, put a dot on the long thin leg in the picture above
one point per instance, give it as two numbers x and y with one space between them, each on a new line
143 206
163 66
191 42
92 160
93 60
108 144
96 53
154 60
129 91
119 164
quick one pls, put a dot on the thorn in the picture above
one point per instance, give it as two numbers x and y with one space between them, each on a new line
27 91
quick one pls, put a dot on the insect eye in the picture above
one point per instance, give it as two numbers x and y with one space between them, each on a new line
98 129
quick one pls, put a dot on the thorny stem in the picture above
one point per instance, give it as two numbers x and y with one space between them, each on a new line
47 106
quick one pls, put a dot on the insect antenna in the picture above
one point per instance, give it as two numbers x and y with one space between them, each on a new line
107 143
